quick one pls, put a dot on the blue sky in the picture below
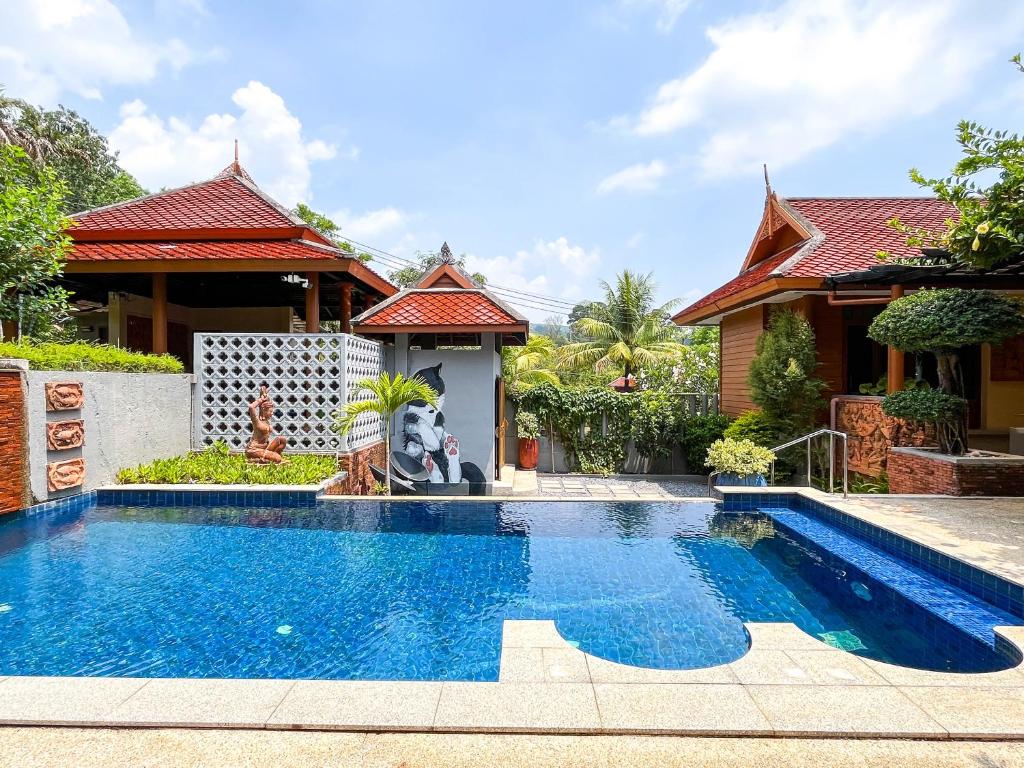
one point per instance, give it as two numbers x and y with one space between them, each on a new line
553 143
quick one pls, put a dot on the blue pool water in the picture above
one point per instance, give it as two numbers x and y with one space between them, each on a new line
419 591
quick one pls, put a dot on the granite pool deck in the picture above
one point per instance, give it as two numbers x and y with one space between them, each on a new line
789 684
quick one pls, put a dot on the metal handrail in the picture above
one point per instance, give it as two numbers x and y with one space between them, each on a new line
832 435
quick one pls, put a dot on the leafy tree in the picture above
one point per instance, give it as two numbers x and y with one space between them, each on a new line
781 377
586 309
942 321
990 227
389 394
329 229
33 245
529 365
631 335
426 261
65 142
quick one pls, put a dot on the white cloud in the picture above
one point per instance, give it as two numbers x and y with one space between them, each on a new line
781 84
668 11
51 47
635 239
642 177
554 268
170 152
365 227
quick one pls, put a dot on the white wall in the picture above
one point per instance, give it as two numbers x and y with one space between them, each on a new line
469 376
130 419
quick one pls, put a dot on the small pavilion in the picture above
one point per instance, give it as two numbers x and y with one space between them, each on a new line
450 331
216 256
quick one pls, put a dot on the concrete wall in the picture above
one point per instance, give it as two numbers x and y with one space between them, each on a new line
469 379
130 419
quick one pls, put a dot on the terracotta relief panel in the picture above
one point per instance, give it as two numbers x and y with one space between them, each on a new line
63 395
872 433
61 475
61 435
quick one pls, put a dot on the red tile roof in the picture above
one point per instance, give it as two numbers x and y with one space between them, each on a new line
199 249
439 307
847 233
225 202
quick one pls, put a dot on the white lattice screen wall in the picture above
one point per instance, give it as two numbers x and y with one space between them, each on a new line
310 375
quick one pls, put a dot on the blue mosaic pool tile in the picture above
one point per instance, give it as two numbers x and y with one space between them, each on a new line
76 503
997 591
201 498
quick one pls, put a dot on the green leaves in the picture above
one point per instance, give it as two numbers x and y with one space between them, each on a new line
388 395
83 356
781 376
527 425
742 457
216 465
924 406
946 319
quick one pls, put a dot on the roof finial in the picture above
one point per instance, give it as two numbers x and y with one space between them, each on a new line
235 166
446 254
767 184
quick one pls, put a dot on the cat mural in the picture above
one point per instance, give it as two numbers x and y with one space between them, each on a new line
425 438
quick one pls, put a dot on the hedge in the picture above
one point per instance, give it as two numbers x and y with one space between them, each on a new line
83 356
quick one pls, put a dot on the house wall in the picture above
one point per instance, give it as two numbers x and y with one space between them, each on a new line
469 379
129 419
14 487
1003 399
830 340
739 334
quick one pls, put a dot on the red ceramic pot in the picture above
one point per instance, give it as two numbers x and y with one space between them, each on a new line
528 452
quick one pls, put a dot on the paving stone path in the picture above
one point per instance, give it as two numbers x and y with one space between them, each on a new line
581 485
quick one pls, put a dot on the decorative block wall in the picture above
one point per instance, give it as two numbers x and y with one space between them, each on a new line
919 471
309 376
14 485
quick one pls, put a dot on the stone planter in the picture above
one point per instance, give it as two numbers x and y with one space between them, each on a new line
978 473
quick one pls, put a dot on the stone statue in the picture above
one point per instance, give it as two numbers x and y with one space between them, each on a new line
260 448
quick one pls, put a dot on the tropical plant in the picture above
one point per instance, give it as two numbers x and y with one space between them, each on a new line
739 457
989 227
68 145
216 465
388 395
33 245
86 356
629 334
781 376
529 365
699 432
881 386
758 427
932 406
527 425
942 321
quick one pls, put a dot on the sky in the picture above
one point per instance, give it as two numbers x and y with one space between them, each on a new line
554 144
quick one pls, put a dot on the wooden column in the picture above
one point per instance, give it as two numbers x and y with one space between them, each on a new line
896 374
313 303
159 312
345 293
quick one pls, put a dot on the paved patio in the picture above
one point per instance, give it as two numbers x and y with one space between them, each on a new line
620 487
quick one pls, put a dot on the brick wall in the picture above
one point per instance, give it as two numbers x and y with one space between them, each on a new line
914 471
359 480
14 493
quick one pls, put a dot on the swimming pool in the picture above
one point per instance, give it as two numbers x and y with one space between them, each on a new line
419 591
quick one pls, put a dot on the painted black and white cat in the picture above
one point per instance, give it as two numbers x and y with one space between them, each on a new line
425 438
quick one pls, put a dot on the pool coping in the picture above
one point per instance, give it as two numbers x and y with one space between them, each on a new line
788 684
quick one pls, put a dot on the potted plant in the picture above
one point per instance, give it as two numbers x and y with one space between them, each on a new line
528 429
740 462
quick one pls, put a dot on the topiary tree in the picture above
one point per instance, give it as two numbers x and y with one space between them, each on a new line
781 377
942 321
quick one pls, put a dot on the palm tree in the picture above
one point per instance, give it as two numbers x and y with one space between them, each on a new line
388 396
529 365
628 331
13 129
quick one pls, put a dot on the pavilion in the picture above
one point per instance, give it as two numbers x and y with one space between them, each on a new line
216 256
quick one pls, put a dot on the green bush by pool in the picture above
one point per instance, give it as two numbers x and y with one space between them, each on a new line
216 466
84 356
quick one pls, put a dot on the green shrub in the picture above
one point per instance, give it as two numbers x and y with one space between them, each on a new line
699 432
740 457
84 356
924 406
216 465
527 426
781 377
757 427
